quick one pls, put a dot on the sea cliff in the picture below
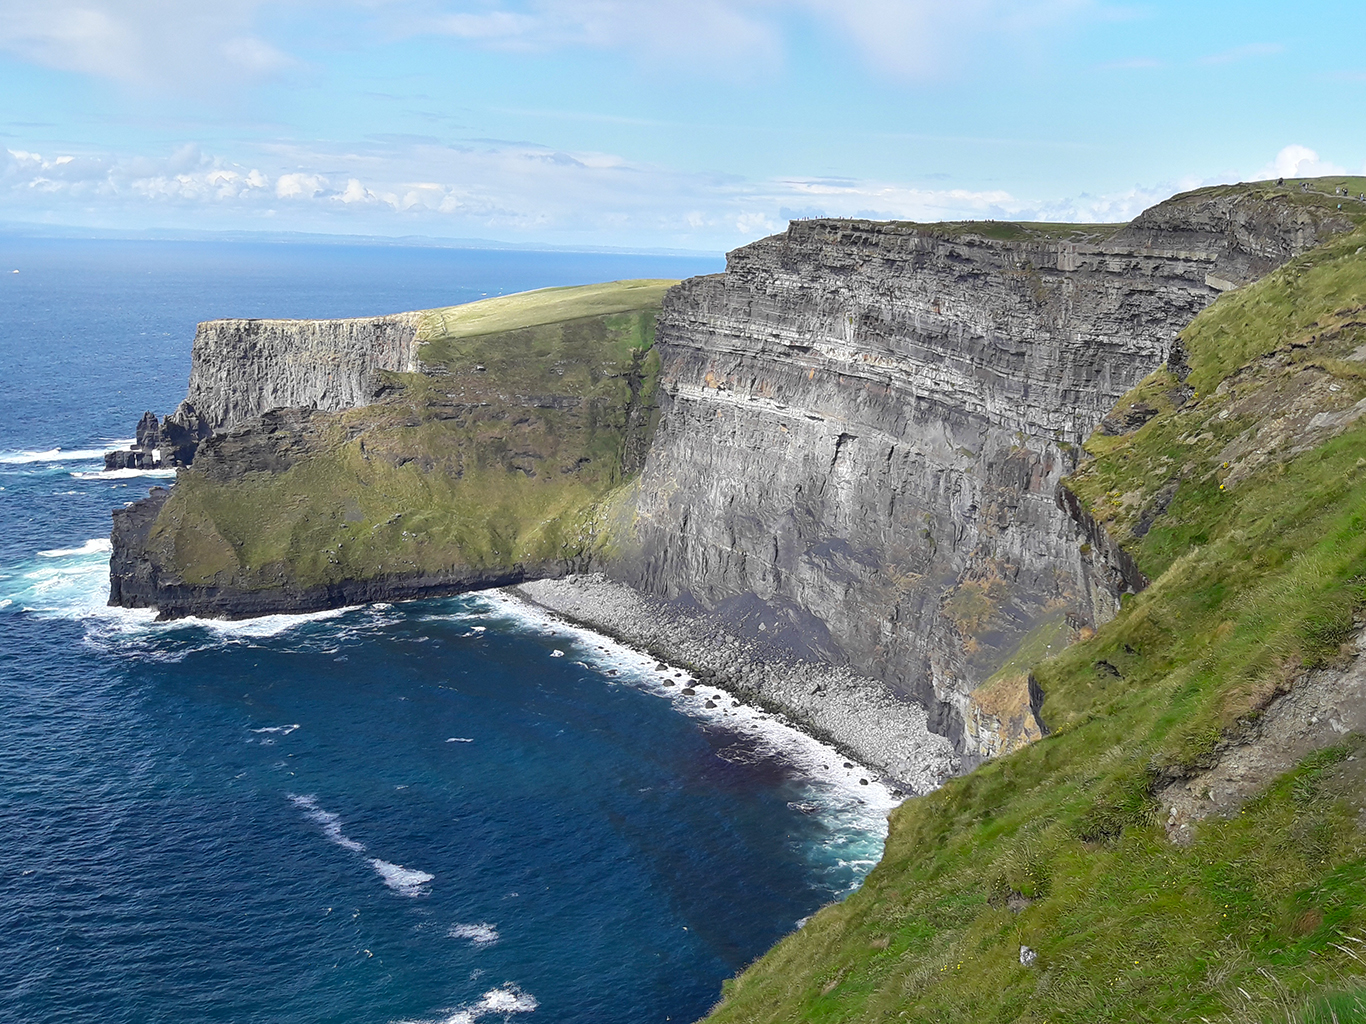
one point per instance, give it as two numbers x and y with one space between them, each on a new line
865 426
863 429
1082 507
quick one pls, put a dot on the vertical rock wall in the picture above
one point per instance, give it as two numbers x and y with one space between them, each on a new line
243 368
865 425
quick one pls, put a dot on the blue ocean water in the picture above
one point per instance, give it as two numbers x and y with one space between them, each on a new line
453 810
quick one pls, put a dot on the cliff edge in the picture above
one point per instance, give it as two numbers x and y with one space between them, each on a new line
474 447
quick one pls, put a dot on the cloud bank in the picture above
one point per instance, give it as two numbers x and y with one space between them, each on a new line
511 191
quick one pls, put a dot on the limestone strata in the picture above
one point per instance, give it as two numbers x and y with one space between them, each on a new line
866 423
243 368
1246 235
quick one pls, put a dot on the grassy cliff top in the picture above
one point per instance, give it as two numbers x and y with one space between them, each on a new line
543 306
1243 496
1322 195
531 412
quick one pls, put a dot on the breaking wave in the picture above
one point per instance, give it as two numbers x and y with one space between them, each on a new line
25 458
407 881
121 474
481 934
505 1000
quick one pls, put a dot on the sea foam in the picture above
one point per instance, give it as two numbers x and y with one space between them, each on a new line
504 1001
121 474
94 546
481 934
408 881
327 821
73 583
22 458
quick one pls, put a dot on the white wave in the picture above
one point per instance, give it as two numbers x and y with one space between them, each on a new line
505 1000
408 881
481 934
122 474
73 583
94 546
459 739
20 458
283 730
261 626
327 821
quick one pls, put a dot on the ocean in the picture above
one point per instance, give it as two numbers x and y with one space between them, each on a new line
452 811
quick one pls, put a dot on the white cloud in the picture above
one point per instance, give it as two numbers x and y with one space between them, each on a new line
922 36
300 186
510 191
706 31
142 42
156 42
901 36
499 190
1297 161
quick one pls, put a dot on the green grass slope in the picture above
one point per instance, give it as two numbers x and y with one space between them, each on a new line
514 446
1243 498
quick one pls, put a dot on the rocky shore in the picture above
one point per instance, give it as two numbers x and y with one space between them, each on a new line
857 715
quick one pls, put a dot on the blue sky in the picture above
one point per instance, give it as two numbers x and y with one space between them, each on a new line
695 124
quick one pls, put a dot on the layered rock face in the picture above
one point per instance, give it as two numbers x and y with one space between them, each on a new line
243 368
863 431
865 425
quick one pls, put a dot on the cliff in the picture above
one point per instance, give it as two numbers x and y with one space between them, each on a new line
1188 842
864 429
499 454
240 369
865 426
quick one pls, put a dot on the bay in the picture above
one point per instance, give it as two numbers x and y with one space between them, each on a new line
451 810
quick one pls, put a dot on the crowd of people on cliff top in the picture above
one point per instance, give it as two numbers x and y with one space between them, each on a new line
1341 190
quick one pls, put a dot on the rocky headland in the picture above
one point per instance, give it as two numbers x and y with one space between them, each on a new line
844 454
1077 508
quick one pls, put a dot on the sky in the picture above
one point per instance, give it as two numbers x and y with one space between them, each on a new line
656 124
